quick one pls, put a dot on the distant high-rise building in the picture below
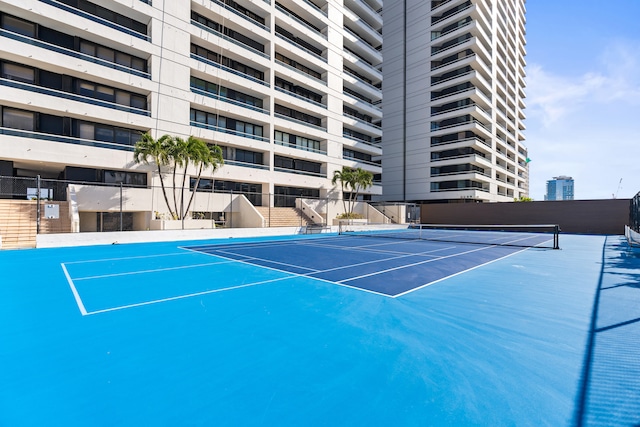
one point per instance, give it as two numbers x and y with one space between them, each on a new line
454 100
559 188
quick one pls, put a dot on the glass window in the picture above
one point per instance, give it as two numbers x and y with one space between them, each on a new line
18 73
17 119
87 48
105 93
86 130
123 59
138 64
123 136
106 54
86 88
138 101
222 122
123 98
19 26
104 133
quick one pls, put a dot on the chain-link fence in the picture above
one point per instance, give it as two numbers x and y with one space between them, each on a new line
634 219
121 206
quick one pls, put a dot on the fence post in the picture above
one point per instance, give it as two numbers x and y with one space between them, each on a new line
120 206
37 204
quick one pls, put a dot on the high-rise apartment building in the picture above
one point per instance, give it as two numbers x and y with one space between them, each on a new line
559 188
290 89
454 100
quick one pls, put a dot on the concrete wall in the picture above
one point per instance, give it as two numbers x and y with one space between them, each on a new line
573 216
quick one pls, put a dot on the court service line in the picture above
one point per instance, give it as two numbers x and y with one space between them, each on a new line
129 273
195 294
307 277
383 260
414 264
459 272
125 258
312 270
76 295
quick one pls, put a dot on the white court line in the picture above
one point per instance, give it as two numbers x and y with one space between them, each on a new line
129 273
83 310
455 274
365 248
124 258
313 270
386 259
307 277
140 304
415 263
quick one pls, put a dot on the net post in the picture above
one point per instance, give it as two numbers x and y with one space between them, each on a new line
556 236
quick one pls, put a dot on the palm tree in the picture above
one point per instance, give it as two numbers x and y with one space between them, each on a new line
204 156
361 180
148 148
355 180
343 176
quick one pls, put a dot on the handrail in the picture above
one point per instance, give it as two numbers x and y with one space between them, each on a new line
228 131
227 69
97 19
304 98
301 72
229 39
323 59
242 15
74 53
225 99
63 138
72 96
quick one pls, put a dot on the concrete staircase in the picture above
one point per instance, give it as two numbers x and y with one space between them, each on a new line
18 222
283 217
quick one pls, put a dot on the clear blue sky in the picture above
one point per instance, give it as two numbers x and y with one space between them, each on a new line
583 95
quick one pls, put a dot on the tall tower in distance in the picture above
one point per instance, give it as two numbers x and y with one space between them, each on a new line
454 101
559 188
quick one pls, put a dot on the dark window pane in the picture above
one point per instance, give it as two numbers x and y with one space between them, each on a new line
51 80
104 133
51 124
18 26
17 119
18 72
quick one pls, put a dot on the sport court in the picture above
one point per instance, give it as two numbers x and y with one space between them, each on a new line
321 330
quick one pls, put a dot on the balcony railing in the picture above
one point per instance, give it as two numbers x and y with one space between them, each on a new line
362 121
53 48
299 21
299 172
228 131
229 39
72 96
97 19
245 164
301 72
228 100
299 147
310 52
242 15
304 98
65 139
227 69
302 122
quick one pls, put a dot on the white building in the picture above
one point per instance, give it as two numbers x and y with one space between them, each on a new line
454 100
290 89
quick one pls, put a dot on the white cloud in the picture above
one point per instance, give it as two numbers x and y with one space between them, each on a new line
585 125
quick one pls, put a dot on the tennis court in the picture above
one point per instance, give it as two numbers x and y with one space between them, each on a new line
321 330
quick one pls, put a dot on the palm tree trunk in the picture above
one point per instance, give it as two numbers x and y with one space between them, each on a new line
164 190
193 193
184 180
175 199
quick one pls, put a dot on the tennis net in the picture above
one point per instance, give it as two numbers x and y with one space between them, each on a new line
542 236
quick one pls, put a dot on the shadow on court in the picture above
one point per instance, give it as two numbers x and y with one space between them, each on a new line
610 390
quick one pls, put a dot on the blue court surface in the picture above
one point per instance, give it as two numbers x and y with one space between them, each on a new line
321 330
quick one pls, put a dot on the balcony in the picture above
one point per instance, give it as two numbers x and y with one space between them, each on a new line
72 96
64 139
130 31
244 16
73 53
228 131
228 69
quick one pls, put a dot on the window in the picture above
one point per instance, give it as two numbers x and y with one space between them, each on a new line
18 119
18 73
18 25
